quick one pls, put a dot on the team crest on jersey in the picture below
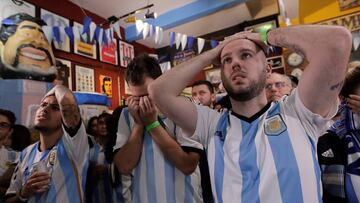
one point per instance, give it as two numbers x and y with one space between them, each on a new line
52 158
274 125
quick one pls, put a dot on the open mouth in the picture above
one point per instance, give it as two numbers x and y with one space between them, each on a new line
33 53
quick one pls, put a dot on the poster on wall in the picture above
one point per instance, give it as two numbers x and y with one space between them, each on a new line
84 46
8 8
127 88
84 79
348 4
106 85
52 19
63 76
109 53
183 56
126 53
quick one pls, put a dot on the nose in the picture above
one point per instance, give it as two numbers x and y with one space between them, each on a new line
236 63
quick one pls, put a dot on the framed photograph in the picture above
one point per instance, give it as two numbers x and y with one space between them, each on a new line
64 76
109 54
8 8
348 4
105 85
276 61
85 46
52 19
183 56
84 78
262 27
213 76
127 88
126 53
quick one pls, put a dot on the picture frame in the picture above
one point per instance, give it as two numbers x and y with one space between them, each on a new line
106 83
213 75
127 53
262 27
276 62
85 46
127 88
348 4
109 54
64 75
53 19
84 79
8 8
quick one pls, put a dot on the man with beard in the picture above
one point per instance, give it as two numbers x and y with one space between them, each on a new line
53 169
25 52
261 151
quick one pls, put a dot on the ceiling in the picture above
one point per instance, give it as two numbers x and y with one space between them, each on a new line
190 17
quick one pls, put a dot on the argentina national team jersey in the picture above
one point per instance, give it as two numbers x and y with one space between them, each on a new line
68 163
155 178
270 158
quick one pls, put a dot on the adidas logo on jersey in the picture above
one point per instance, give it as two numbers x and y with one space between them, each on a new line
328 153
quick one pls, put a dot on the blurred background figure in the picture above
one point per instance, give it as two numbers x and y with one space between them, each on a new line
203 93
277 85
92 129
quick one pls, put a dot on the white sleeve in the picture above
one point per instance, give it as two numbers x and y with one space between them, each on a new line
205 125
77 146
314 124
124 129
16 180
186 141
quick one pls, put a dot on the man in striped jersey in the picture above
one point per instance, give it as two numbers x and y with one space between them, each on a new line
53 169
145 135
260 151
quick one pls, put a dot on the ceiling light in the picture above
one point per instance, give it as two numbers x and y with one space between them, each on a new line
152 15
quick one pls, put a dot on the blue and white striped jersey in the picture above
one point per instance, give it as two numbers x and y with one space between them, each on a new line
271 158
8 157
68 164
155 178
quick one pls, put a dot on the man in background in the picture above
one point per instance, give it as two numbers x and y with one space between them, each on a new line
202 93
277 85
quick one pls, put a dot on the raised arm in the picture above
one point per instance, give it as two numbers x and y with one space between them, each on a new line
166 89
327 49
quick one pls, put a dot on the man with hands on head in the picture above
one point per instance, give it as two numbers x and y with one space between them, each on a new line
53 169
150 146
261 151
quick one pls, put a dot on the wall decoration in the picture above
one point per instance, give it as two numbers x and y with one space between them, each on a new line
84 46
276 62
348 4
8 8
52 19
127 88
183 56
84 79
213 75
126 53
105 85
350 21
64 76
22 57
109 54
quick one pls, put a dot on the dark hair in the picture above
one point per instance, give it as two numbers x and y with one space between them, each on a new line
104 80
21 138
9 29
140 67
352 81
88 128
204 82
9 115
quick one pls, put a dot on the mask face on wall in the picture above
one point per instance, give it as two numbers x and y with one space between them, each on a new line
25 53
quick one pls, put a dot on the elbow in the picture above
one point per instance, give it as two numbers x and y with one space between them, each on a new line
124 170
343 40
122 166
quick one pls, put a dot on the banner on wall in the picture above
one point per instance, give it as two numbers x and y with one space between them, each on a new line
63 73
126 53
52 19
106 85
84 79
108 53
351 21
84 45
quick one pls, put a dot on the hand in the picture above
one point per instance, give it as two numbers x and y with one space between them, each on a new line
148 111
354 103
38 182
134 109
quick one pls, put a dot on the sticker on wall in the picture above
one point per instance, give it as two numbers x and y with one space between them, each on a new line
63 73
84 45
106 85
109 53
52 19
84 79
8 8
126 53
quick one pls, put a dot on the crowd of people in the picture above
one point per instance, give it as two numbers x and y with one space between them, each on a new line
269 140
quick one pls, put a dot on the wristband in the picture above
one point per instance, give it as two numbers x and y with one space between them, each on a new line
152 126
21 198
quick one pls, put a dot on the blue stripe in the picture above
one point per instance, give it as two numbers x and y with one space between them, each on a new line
247 161
189 190
169 181
285 163
150 168
51 196
126 115
350 192
316 169
69 175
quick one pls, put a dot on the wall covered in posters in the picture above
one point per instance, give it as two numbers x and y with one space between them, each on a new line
127 53
84 45
106 85
84 79
64 73
8 8
109 54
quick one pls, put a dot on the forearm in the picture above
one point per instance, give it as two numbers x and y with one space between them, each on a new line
128 155
182 160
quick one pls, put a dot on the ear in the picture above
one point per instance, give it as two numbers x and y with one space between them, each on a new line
213 97
268 69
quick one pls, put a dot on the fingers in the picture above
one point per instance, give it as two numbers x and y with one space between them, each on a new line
38 182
